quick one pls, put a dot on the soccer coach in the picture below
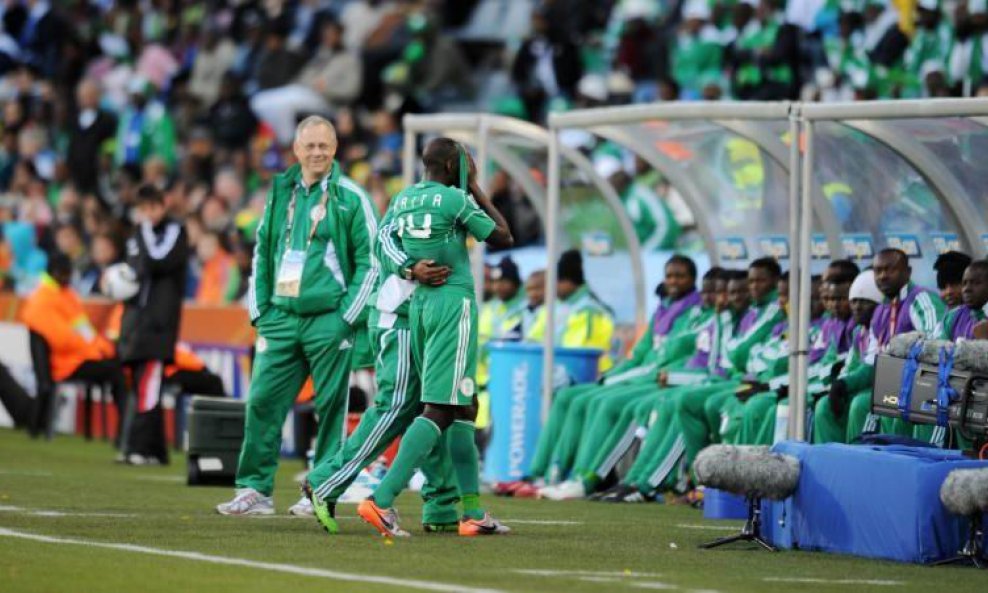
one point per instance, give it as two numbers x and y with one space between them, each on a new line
313 272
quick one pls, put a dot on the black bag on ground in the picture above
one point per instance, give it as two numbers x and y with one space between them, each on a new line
216 432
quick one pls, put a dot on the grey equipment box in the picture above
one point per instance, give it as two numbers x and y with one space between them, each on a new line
216 431
969 413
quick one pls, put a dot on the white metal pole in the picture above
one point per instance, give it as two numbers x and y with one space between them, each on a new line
479 249
552 250
802 348
408 158
795 271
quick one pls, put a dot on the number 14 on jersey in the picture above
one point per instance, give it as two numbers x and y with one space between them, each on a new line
407 224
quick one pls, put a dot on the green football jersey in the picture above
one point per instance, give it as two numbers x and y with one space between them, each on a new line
432 221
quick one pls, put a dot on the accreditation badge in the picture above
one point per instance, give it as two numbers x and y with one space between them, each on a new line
289 281
317 213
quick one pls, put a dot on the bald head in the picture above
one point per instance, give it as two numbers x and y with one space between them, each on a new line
441 158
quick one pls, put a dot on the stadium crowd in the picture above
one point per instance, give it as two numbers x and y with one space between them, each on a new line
200 98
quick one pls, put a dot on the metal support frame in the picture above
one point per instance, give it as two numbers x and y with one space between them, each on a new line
552 247
947 187
853 115
797 396
804 196
795 249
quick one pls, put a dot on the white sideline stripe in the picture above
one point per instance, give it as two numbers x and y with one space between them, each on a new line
25 472
653 585
43 513
586 573
270 566
811 581
160 478
707 527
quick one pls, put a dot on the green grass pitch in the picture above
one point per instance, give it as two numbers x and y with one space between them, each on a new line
105 527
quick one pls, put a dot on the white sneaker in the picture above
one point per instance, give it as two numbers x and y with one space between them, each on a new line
302 508
568 490
247 501
360 489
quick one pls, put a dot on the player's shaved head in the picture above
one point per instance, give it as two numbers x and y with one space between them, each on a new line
892 271
441 158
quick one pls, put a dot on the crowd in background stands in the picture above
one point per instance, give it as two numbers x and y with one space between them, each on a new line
201 98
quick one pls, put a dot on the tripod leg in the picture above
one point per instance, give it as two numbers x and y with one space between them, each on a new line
947 561
765 544
724 541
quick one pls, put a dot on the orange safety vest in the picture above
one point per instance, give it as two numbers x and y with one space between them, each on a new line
214 284
56 313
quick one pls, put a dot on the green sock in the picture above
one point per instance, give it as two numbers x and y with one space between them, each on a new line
418 441
463 452
471 506
590 481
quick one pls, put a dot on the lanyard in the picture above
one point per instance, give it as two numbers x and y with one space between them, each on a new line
319 212
893 318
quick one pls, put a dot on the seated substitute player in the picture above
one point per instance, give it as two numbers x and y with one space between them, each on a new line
700 380
950 268
711 413
833 419
600 423
907 307
959 323
432 223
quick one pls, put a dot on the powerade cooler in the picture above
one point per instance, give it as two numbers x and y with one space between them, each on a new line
216 431
515 388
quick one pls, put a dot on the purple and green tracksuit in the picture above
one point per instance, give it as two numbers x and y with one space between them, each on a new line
670 340
914 309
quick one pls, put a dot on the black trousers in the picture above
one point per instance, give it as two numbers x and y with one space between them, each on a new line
146 434
91 371
105 371
15 399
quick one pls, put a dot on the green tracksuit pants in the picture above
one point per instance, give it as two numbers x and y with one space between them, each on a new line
758 419
549 437
690 421
829 428
578 416
617 429
290 348
394 408
651 454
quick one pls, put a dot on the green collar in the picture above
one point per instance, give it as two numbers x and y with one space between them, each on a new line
772 296
578 294
294 174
